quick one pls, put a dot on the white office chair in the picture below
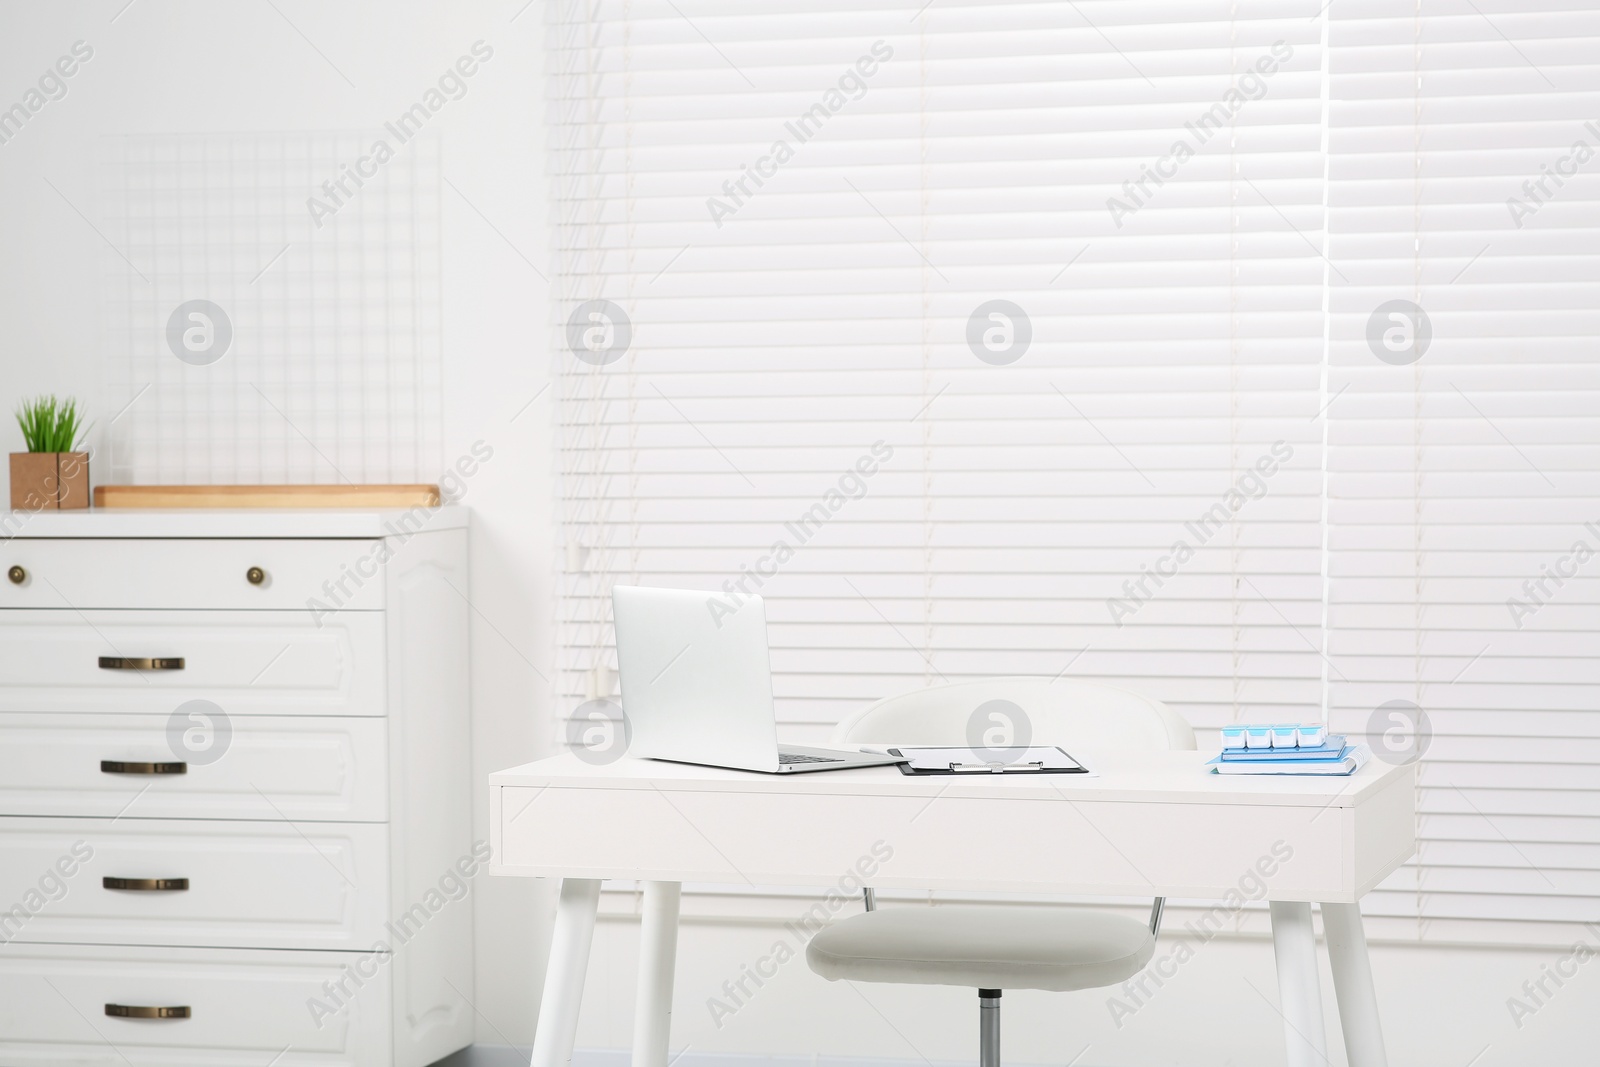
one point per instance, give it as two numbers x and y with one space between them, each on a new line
993 948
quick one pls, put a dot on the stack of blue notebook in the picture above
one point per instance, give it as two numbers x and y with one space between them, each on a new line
1286 749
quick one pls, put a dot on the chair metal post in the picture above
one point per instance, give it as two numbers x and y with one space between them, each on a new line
988 1028
1155 915
870 899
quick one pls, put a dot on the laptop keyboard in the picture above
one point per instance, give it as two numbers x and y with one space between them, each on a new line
795 757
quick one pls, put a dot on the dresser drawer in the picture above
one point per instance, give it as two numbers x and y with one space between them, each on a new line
274 767
251 884
246 1009
87 573
244 662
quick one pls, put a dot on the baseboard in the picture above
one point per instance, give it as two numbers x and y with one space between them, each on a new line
506 1056
488 1056
620 1058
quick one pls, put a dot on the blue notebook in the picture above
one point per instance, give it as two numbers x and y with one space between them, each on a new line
1352 761
1334 749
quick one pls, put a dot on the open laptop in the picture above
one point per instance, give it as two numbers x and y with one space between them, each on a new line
697 685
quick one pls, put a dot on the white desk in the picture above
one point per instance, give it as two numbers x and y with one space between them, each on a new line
1150 824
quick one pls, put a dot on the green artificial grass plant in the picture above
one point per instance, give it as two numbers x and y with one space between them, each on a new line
50 425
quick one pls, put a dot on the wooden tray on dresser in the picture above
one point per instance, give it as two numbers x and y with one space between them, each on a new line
266 496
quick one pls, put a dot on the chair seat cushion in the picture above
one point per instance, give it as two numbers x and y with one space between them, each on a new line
984 947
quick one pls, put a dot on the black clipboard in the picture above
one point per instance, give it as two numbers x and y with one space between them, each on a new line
954 760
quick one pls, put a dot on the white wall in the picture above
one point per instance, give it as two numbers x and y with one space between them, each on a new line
164 66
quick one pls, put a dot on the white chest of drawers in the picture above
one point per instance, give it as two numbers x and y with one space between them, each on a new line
235 805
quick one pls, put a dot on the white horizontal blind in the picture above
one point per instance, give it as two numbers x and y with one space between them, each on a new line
1462 482
961 154
828 311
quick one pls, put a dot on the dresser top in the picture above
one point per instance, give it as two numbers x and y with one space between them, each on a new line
232 522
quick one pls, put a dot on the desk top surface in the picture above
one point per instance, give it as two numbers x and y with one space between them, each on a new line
1131 777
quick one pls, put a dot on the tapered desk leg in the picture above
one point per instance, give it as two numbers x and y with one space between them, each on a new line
563 978
1352 983
658 952
1294 943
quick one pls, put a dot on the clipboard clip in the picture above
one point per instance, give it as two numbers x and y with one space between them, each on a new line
995 767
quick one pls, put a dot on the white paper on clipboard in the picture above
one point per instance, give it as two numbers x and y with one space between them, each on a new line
1035 759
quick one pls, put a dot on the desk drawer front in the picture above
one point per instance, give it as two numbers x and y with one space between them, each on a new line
244 662
274 768
245 1009
1056 846
86 573
201 883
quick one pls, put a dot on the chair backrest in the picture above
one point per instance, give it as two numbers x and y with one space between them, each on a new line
1001 711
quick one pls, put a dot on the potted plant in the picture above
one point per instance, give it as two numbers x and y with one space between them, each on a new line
51 473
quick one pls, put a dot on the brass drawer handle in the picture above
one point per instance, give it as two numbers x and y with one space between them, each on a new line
140 663
17 575
146 885
114 766
129 1011
255 575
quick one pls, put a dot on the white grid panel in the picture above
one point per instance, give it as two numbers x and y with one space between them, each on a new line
333 374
